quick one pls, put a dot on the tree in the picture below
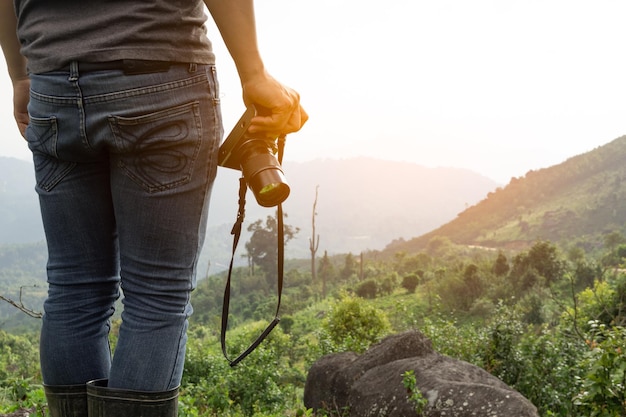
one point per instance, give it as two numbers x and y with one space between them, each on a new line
411 264
473 282
541 261
262 248
20 305
544 257
612 241
501 265
314 240
326 271
367 289
349 267
410 282
388 284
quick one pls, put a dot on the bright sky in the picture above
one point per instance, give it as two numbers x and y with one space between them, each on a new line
498 87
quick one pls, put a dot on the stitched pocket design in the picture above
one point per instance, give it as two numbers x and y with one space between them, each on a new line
42 135
158 150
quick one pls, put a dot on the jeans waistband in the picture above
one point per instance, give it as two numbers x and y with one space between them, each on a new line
128 66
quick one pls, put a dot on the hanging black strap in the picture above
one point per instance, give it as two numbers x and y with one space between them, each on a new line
236 232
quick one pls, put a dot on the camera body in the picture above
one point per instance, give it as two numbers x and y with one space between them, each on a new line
256 159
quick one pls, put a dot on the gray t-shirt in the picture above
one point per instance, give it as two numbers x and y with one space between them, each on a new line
56 32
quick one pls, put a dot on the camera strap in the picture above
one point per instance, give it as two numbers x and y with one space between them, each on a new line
236 232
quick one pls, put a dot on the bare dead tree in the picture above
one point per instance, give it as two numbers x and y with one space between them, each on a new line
314 240
20 305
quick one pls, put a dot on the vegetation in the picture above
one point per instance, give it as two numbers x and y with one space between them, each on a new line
415 396
529 284
548 321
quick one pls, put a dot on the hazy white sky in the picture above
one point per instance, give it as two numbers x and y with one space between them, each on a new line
497 86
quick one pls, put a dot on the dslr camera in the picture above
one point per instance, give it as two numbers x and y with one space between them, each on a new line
256 158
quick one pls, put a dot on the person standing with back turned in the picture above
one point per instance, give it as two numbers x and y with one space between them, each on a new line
119 103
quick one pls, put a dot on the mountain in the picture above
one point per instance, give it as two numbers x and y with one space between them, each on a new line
20 221
362 203
579 200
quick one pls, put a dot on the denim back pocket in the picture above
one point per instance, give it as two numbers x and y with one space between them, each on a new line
158 150
42 135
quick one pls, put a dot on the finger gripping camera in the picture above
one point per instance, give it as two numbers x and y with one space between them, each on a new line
256 159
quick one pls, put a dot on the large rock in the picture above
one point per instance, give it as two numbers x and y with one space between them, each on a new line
370 385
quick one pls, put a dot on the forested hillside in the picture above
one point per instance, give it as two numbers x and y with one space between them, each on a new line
578 200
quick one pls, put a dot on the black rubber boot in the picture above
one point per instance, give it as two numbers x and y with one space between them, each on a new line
111 402
66 400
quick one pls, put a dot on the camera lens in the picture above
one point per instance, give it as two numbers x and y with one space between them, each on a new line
263 173
269 187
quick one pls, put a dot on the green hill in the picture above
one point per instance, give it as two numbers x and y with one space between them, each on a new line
580 200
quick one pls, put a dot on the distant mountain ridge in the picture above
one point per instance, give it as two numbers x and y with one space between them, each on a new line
20 220
579 200
363 203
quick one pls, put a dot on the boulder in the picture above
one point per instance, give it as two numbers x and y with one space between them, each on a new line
371 384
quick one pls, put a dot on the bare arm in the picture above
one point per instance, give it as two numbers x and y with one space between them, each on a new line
16 63
237 24
278 107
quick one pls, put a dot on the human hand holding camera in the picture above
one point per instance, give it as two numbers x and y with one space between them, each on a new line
254 146
278 109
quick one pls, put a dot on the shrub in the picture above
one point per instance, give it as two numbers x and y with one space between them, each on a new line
20 379
410 282
352 325
602 389
550 366
367 289
255 385
463 342
501 356
388 285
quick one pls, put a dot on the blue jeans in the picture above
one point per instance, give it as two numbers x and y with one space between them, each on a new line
124 167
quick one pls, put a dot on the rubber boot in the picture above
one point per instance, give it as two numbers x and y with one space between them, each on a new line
66 400
111 402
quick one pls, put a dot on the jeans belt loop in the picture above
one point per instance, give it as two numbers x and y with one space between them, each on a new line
74 71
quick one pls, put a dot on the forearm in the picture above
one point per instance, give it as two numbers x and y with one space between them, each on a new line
16 63
236 22
278 109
